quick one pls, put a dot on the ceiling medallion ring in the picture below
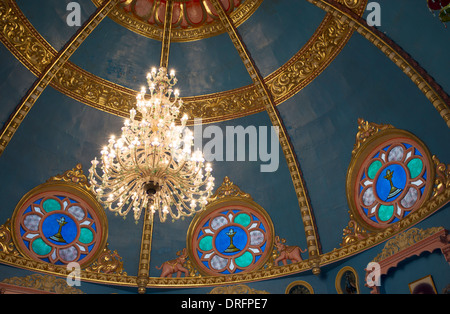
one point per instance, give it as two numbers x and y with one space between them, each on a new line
233 235
389 177
59 223
192 20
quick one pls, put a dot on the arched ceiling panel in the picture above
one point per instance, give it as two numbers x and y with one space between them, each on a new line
278 30
322 123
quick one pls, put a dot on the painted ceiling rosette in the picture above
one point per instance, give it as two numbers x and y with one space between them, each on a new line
231 240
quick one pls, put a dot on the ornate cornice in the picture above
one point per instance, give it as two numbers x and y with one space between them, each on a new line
47 284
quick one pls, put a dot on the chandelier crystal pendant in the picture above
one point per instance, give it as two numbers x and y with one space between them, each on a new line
151 165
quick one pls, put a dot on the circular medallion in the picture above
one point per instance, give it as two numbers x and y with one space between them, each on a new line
58 227
230 239
392 181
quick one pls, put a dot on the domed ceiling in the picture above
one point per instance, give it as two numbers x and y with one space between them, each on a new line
314 69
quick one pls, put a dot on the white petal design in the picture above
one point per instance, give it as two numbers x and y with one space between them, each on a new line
218 262
256 237
396 154
31 222
368 197
218 222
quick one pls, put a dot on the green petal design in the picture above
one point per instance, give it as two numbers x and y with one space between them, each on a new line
244 260
415 167
51 205
385 212
373 169
86 236
205 243
243 219
40 247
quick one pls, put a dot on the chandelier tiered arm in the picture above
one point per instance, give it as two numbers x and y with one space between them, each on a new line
152 164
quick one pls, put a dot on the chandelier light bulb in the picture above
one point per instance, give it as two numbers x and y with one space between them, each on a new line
152 165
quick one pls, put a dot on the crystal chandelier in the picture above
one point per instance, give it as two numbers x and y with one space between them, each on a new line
152 166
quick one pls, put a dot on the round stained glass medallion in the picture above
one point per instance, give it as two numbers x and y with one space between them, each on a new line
230 239
393 180
58 227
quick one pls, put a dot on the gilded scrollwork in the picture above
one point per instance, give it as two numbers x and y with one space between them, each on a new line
353 232
366 130
45 283
35 53
108 262
75 175
303 67
442 181
405 240
6 243
228 189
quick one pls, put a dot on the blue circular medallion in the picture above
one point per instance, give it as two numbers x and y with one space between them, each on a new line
391 182
231 240
59 228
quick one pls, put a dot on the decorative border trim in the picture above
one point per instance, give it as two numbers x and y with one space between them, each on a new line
134 24
34 52
409 243
44 78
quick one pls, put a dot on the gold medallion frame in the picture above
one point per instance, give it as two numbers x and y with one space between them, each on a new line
227 202
360 156
64 187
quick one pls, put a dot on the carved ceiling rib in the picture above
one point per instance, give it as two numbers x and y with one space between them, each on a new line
49 73
266 97
147 231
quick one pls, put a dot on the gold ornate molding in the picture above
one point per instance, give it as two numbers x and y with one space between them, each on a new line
236 289
108 262
404 240
48 74
28 46
335 255
48 284
75 175
228 189
130 21
366 130
442 181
